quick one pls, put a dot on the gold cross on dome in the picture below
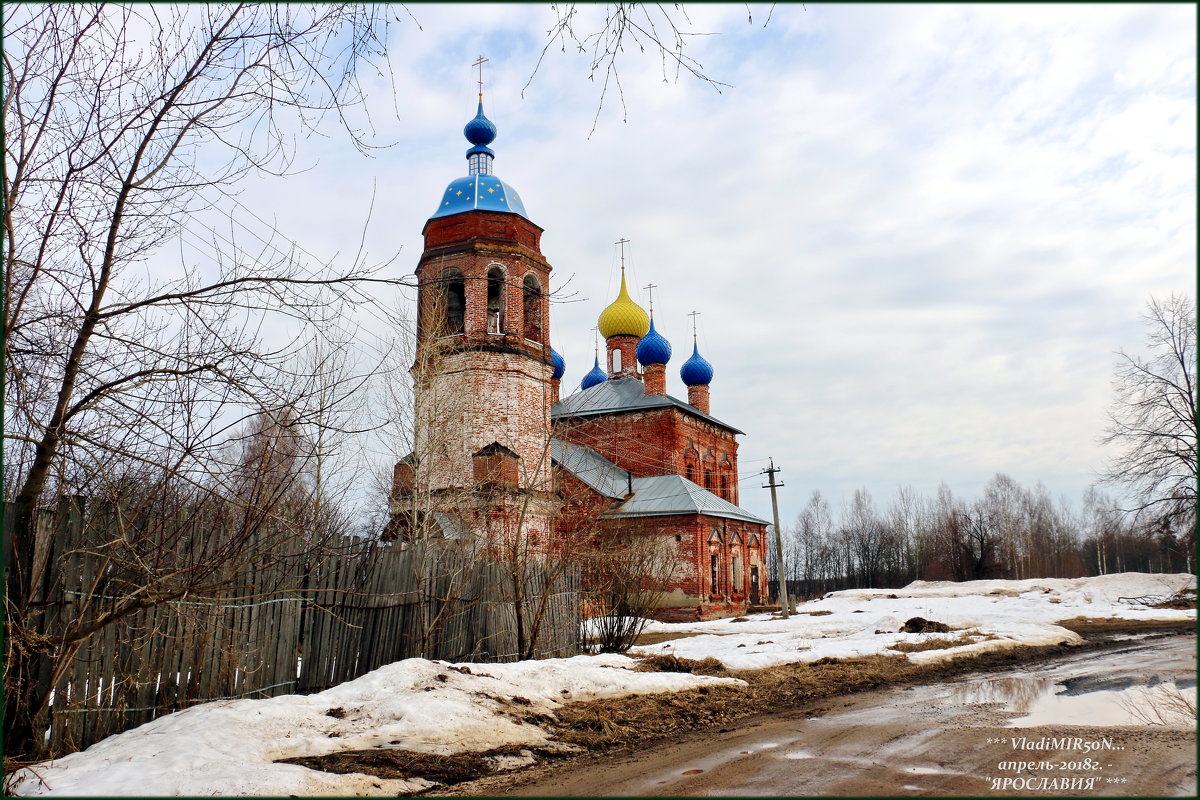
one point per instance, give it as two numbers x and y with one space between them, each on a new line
479 63
650 287
693 315
622 242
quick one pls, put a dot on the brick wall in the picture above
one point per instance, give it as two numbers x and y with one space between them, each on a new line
474 245
696 539
489 383
627 347
661 441
476 398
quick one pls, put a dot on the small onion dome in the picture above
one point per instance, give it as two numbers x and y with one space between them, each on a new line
560 364
480 131
594 377
653 348
696 371
624 317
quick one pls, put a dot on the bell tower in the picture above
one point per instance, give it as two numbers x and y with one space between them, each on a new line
484 367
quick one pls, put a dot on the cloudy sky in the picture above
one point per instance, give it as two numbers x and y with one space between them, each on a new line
916 234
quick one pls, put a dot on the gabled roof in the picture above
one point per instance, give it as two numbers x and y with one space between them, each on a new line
623 394
657 496
663 495
495 448
595 470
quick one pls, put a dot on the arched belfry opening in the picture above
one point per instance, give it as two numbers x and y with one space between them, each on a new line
531 308
454 303
495 300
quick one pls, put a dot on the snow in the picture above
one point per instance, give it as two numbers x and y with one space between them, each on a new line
995 614
229 747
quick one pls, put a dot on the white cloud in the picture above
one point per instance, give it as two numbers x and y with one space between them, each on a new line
916 233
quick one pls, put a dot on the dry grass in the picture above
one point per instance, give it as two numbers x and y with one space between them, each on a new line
643 717
937 643
1086 625
658 638
401 764
668 662
818 613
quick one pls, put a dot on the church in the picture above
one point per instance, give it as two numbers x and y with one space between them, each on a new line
501 456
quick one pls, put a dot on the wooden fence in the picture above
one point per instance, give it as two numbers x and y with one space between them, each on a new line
288 629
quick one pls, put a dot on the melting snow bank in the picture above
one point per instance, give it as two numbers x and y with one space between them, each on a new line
229 747
982 616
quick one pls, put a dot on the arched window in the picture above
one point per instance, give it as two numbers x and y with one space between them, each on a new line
691 472
495 300
532 308
453 302
725 486
710 472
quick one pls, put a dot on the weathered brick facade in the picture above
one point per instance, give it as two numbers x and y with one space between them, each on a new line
662 441
701 588
482 372
482 377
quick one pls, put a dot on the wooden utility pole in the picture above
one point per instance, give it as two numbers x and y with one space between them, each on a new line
780 567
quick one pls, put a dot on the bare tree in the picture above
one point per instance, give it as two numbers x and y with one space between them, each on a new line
808 546
627 576
122 126
664 30
1153 418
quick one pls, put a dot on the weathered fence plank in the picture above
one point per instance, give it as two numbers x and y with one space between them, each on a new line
363 606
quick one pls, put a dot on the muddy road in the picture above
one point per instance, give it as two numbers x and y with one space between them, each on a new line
1081 725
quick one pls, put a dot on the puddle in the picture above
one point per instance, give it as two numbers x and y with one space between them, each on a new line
1087 700
799 754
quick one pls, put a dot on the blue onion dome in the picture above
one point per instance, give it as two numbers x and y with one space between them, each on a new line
481 130
560 364
594 377
696 371
653 348
480 190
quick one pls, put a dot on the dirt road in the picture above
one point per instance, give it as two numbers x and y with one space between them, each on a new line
1046 729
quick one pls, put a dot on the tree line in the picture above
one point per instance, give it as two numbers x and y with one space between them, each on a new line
1010 531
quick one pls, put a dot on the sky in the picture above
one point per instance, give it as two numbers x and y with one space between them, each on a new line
916 235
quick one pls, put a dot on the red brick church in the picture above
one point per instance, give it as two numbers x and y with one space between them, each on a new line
499 454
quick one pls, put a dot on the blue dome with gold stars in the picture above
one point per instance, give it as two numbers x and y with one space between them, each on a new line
653 348
696 371
560 364
480 190
594 377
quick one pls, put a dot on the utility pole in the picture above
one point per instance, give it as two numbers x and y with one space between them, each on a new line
781 569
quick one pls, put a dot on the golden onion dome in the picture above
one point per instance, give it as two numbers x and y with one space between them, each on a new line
624 317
